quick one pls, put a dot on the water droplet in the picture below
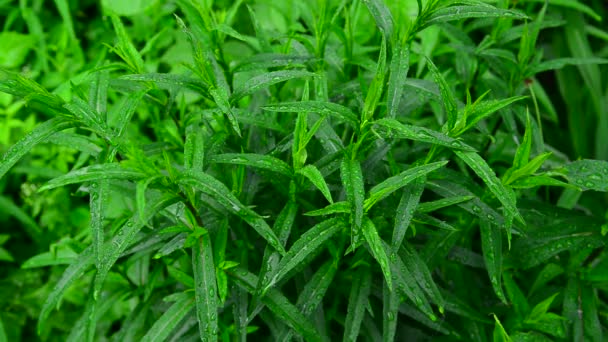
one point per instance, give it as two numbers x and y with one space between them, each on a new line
589 184
130 224
476 209
211 292
390 316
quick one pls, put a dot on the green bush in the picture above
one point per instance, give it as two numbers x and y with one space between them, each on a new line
310 170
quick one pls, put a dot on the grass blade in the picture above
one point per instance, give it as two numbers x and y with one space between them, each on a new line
165 325
23 146
205 288
219 192
465 12
308 243
377 250
357 301
390 307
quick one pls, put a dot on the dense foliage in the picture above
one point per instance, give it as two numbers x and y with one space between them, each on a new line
311 170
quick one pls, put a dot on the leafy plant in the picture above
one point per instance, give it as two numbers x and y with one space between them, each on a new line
281 170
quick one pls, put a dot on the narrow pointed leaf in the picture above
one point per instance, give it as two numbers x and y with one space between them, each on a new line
267 79
484 109
422 275
23 146
98 198
254 160
464 12
309 242
93 173
119 243
352 179
391 128
219 192
399 67
504 195
205 288
316 178
491 246
395 183
382 16
334 208
324 108
588 174
405 210
357 301
390 312
427 207
375 245
76 270
447 96
279 305
165 325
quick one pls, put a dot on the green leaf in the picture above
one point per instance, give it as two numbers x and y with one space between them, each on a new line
390 307
382 16
278 304
205 288
342 207
75 271
352 179
491 246
377 250
392 184
421 273
124 237
267 79
170 319
316 178
399 67
499 334
125 48
25 144
124 110
405 210
219 192
559 63
447 95
98 199
484 109
465 12
220 97
270 60
96 172
323 108
588 174
394 129
254 160
428 207
376 88
308 243
3 337
504 195
357 301
31 227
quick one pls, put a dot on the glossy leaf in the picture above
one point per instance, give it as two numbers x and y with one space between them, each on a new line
323 108
491 246
205 288
254 160
165 325
391 128
308 243
357 300
316 178
352 179
219 192
377 250
405 210
93 173
267 79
